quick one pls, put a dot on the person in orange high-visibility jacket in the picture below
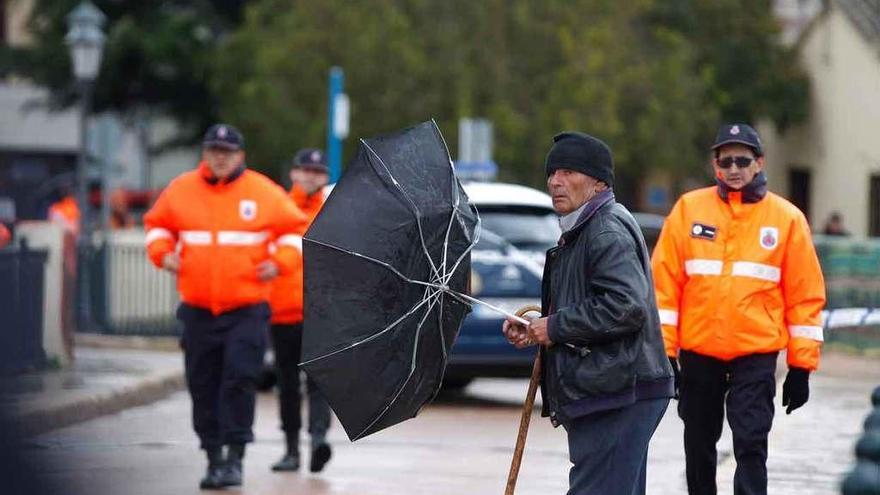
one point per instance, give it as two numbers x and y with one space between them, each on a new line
226 232
308 175
5 236
737 280
65 212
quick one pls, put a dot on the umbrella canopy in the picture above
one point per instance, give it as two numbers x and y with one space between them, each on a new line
387 263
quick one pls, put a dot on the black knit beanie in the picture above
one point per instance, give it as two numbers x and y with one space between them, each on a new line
582 153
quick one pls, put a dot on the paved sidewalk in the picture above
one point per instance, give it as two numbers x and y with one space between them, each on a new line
102 380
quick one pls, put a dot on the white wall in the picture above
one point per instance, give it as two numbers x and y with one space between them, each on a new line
27 125
839 144
49 236
854 127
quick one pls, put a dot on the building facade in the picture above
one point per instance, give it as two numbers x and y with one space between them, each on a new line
831 163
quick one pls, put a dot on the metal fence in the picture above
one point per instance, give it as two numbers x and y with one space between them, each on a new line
129 295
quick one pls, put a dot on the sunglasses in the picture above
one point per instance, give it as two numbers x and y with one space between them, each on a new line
740 161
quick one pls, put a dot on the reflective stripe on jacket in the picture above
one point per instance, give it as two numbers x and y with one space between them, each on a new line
287 290
222 231
735 278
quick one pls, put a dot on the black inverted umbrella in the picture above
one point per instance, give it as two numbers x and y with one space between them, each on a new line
387 264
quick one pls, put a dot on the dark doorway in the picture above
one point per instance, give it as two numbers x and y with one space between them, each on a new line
874 207
799 189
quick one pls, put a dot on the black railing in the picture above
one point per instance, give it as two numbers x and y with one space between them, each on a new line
22 272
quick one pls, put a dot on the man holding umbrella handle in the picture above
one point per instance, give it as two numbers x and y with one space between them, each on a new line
603 370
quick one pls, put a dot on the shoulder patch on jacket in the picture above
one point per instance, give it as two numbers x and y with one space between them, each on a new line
703 231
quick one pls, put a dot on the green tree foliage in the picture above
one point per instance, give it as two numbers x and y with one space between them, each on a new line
533 68
158 55
653 78
746 73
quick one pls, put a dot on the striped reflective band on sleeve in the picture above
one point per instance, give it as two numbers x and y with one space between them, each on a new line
241 238
703 267
668 317
806 331
290 240
760 271
156 234
196 237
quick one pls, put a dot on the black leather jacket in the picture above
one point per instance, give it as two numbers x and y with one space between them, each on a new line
599 295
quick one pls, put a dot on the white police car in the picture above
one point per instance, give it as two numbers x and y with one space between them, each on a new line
521 215
519 225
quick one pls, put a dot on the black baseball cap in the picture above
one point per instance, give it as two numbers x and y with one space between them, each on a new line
223 136
310 158
739 134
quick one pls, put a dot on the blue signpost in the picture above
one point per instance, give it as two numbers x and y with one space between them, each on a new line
337 122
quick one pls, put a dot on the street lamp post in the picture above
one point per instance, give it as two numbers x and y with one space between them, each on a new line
86 42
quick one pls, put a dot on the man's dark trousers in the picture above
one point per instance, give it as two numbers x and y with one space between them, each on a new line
223 356
609 449
287 343
748 385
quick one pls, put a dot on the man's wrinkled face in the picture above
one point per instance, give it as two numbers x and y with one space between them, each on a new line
571 189
310 180
222 162
736 165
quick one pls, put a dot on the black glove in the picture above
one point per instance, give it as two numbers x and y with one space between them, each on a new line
676 374
796 389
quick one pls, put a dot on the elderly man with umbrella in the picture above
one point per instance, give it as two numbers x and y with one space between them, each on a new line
604 374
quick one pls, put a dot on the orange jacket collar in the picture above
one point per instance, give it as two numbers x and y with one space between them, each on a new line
303 200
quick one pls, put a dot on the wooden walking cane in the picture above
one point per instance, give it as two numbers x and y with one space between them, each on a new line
526 413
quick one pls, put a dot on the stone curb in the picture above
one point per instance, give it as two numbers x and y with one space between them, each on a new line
100 341
151 388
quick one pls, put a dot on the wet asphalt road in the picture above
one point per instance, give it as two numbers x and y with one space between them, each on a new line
461 444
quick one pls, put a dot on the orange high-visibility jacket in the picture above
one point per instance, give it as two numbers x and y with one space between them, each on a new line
223 231
5 236
287 290
66 212
736 278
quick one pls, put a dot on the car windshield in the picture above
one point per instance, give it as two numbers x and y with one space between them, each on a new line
526 227
499 270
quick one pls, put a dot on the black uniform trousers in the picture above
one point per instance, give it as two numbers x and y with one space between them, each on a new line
223 355
287 343
747 385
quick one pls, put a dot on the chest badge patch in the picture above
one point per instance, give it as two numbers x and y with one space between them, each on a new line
247 209
769 237
703 231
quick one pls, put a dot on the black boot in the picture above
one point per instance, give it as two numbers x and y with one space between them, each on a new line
321 453
290 462
233 473
214 476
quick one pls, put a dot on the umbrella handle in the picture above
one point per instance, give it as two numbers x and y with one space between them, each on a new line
518 317
526 417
